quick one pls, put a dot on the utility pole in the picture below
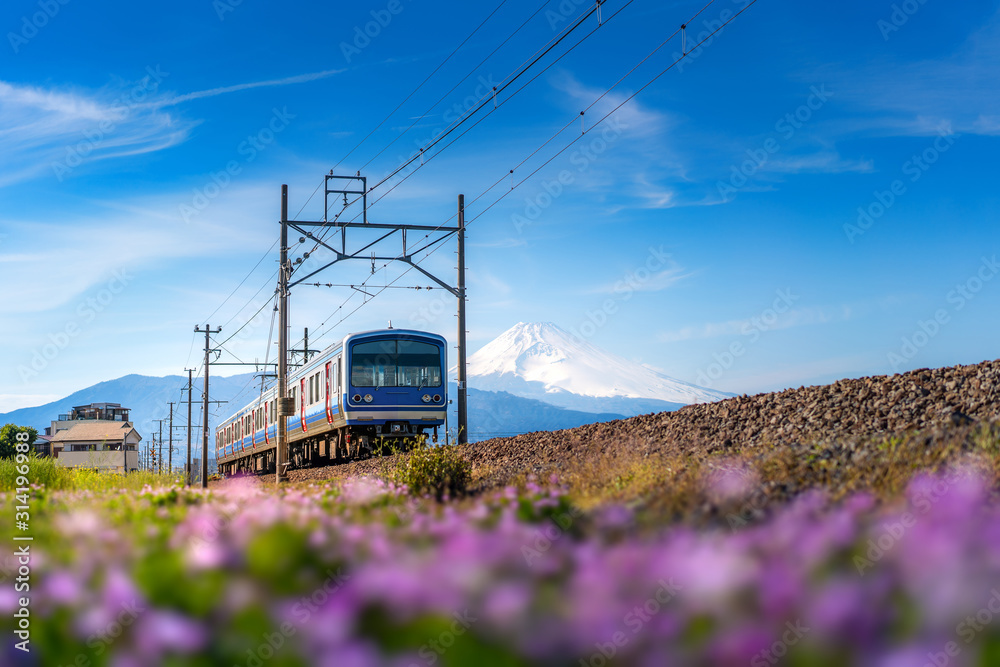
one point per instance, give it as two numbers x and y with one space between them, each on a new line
463 413
170 447
281 447
159 461
305 351
204 432
187 469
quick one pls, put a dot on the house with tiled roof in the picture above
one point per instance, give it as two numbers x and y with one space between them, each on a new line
96 443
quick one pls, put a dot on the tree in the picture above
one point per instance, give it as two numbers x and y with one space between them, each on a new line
8 439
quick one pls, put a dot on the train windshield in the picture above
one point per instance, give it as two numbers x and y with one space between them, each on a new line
395 363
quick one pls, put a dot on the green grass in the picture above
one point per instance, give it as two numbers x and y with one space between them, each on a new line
45 472
678 483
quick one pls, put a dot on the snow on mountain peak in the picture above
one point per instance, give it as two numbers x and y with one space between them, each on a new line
540 359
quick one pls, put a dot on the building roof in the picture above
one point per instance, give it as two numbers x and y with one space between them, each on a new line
90 431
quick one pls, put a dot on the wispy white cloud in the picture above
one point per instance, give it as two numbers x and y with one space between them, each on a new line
84 251
793 318
52 131
223 90
642 280
638 120
823 162
501 244
913 98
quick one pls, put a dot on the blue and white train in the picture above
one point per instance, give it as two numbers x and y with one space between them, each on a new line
367 392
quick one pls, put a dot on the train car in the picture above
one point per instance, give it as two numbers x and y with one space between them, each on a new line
371 392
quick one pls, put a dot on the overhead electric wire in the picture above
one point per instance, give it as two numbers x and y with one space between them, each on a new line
528 63
412 93
585 132
516 185
539 54
455 87
614 110
482 102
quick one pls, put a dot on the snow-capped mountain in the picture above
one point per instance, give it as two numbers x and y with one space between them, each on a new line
543 361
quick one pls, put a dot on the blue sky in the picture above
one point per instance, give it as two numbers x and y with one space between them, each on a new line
808 196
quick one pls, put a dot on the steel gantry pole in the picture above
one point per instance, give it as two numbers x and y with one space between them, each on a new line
463 408
281 447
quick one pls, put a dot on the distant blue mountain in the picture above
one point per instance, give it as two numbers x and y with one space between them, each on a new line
148 399
491 414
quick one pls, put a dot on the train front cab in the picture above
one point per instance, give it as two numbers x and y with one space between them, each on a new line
396 389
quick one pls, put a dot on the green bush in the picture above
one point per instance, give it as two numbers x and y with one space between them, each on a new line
435 470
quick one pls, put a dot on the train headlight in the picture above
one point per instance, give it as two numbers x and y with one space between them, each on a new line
426 398
368 398
356 398
437 398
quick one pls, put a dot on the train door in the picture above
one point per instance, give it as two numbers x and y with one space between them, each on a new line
302 405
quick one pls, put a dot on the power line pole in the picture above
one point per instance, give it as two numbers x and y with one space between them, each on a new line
170 447
204 432
463 413
187 469
281 447
159 460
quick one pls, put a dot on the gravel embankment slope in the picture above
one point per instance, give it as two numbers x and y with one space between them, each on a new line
865 407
